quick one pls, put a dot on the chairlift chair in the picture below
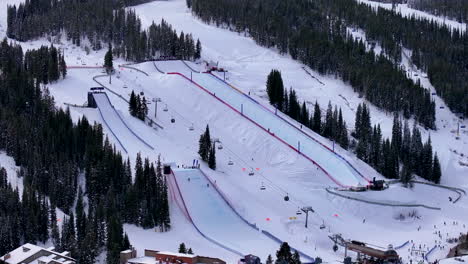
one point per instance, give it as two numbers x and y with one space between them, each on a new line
251 173
220 146
299 212
230 162
286 198
165 108
262 187
125 86
172 120
191 127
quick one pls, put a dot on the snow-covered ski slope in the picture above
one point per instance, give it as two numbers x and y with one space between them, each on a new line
121 131
215 219
341 172
248 65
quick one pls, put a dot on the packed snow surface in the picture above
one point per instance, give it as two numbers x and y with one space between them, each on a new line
213 216
126 137
329 161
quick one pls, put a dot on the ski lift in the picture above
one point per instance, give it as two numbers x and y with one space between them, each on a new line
191 127
220 146
298 212
262 187
172 120
251 173
125 86
286 198
230 162
165 108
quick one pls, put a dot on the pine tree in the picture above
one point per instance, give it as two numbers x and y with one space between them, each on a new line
55 235
344 140
190 251
132 107
436 172
426 160
328 127
317 123
406 177
212 158
126 243
198 50
296 259
283 255
143 111
80 217
205 144
269 260
357 122
53 65
275 89
108 59
63 66
304 115
182 248
396 133
115 240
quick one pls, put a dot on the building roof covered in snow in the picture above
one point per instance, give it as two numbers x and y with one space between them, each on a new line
32 254
156 257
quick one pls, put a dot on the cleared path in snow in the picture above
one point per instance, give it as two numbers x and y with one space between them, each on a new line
124 134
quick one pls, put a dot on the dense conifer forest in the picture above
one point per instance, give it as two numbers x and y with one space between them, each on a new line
53 153
398 157
453 9
316 33
106 22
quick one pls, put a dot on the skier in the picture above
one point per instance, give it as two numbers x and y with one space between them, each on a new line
207 185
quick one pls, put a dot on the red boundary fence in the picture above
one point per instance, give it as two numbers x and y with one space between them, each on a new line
261 127
187 214
291 124
264 232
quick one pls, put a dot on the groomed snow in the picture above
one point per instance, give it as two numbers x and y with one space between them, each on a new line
216 219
